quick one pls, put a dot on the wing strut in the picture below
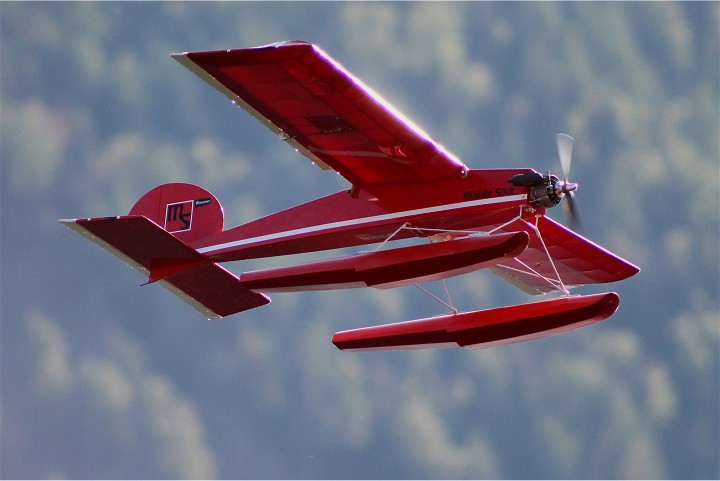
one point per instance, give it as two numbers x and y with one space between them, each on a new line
391 236
447 304
552 263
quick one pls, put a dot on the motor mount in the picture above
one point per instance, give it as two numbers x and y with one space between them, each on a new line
545 194
545 190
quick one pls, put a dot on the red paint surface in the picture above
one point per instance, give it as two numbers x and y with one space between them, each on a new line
479 329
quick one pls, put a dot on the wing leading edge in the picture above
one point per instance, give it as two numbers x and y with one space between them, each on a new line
321 109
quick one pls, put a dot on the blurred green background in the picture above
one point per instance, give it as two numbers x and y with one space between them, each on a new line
102 378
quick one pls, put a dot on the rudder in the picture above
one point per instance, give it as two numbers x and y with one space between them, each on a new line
186 211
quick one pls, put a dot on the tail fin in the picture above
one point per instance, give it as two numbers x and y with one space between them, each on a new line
153 239
186 211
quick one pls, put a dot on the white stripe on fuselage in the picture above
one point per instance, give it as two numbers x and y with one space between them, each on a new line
360 221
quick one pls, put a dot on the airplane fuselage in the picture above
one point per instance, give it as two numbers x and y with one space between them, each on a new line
373 214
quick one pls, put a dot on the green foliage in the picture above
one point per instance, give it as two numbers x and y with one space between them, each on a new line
103 379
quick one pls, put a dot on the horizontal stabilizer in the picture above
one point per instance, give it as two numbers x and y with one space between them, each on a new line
481 329
144 245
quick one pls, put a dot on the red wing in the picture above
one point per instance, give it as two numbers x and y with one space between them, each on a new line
577 260
322 110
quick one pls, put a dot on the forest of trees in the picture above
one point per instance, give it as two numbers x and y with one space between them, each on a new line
102 378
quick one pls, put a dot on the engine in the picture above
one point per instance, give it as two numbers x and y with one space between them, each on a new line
545 190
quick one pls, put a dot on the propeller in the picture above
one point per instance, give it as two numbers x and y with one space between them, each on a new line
564 148
547 190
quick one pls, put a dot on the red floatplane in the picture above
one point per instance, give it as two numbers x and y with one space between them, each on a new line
403 185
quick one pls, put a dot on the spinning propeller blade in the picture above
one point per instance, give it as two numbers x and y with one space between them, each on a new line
564 148
573 212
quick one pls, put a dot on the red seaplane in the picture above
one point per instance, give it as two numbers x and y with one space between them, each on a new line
403 186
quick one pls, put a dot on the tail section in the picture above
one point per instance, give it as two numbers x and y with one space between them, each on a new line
153 239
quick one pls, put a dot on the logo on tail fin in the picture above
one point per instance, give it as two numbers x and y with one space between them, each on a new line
174 207
178 216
